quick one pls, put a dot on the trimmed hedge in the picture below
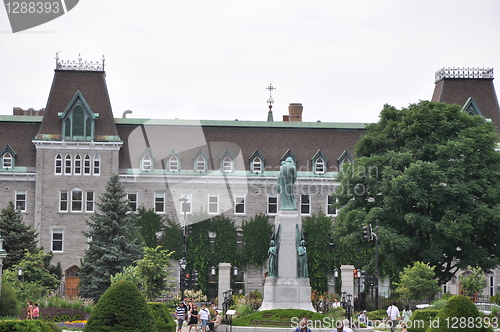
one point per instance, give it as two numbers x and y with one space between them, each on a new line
163 320
8 301
419 320
459 315
121 308
28 326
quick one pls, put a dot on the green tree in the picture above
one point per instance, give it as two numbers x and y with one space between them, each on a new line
172 238
199 253
318 229
152 269
256 237
149 224
114 241
418 282
472 281
17 236
429 175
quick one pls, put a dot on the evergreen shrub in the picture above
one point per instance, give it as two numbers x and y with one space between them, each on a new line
460 315
8 302
419 320
28 326
121 308
163 320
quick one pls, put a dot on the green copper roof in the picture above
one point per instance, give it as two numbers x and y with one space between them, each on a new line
20 118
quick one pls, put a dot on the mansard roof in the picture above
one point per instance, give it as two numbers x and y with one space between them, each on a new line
18 131
92 86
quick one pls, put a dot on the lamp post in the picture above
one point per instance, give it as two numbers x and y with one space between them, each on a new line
227 303
20 273
182 264
183 203
349 307
3 254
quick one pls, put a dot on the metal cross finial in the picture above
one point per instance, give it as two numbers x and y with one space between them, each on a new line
270 101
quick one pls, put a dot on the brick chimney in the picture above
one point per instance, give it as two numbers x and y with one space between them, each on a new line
295 112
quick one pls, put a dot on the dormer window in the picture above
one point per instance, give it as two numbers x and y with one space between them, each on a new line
146 163
319 162
200 161
7 157
257 165
226 161
78 120
173 164
7 160
257 161
344 158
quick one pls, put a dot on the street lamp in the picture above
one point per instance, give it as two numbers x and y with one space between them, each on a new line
212 270
182 264
20 273
227 303
3 254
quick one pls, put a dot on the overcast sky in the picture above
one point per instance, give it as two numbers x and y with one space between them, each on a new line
212 60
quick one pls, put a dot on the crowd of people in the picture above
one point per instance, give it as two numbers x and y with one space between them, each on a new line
187 311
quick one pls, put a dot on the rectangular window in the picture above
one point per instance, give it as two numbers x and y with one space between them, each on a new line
63 201
213 203
330 209
272 204
305 204
89 201
21 200
239 207
132 201
188 204
57 240
76 200
159 202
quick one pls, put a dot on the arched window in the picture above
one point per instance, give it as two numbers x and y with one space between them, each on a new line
67 165
227 165
58 164
200 164
7 160
173 164
78 120
146 163
78 165
86 165
319 166
257 165
97 165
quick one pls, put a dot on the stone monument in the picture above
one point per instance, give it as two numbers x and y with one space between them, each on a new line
287 285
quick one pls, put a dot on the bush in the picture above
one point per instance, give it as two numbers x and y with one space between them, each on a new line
28 326
163 320
8 302
419 320
121 308
460 315
380 314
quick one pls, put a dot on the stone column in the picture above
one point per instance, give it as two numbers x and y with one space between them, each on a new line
347 273
224 282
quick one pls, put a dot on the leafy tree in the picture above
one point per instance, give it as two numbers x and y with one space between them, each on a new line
429 175
256 236
171 239
8 302
114 241
149 224
472 281
318 229
152 269
198 253
418 282
17 236
129 273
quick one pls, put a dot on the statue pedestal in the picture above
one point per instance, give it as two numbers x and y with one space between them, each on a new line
287 291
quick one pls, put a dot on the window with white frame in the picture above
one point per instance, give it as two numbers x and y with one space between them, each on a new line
57 240
86 165
319 166
159 202
97 165
187 206
63 201
330 209
146 163
76 200
21 200
173 164
67 165
7 160
227 164
257 165
58 164
90 201
272 204
305 204
213 203
239 204
201 164
78 165
132 201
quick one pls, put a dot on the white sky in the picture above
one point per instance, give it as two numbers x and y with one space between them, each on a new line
199 59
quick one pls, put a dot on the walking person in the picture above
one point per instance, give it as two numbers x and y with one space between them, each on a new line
406 314
36 311
392 315
29 310
204 316
193 318
180 313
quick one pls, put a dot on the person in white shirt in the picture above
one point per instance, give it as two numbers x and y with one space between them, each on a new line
204 316
393 314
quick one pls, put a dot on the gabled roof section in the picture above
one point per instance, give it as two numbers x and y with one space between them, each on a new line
318 155
226 153
173 153
78 99
9 149
255 154
471 107
65 86
200 153
147 151
345 156
287 154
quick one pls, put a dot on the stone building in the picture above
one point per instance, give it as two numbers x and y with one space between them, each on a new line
55 162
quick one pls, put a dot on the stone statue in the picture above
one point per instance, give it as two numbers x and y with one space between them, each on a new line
301 254
273 254
286 180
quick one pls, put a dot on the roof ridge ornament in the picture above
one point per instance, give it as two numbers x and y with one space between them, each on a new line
463 72
79 64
